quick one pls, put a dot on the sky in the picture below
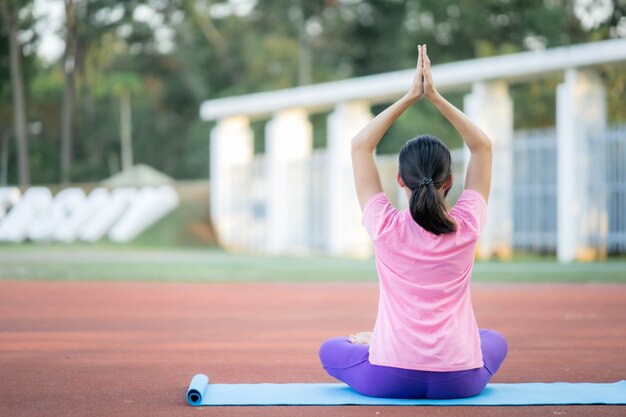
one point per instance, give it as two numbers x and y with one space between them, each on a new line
51 15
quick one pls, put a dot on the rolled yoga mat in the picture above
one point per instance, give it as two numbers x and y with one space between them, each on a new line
200 392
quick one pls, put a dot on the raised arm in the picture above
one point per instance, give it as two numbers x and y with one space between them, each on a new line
366 177
478 175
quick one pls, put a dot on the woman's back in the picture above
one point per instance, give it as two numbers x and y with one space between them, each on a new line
425 319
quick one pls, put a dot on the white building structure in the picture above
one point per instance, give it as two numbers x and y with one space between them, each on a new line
282 208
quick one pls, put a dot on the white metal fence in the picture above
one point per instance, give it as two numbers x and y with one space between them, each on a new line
247 187
315 187
534 190
608 185
534 193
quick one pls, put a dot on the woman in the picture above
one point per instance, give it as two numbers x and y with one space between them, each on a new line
425 343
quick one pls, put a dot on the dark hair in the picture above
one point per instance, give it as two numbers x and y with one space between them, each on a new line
425 164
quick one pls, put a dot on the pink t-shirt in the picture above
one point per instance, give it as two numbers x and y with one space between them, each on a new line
425 318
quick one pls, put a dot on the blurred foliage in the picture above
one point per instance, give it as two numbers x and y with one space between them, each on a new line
175 54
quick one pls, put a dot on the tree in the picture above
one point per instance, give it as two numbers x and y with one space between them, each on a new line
10 10
69 71
84 28
123 84
226 47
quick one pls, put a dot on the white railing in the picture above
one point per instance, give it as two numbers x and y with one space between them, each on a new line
534 190
534 193
607 184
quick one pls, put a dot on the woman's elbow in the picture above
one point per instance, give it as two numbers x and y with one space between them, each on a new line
357 144
484 146
488 145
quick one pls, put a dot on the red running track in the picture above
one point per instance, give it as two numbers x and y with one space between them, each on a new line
130 349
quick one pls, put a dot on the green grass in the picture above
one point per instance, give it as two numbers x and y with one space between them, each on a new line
135 263
156 264
174 229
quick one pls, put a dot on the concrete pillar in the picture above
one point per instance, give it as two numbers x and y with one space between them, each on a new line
490 107
231 146
346 235
288 147
581 111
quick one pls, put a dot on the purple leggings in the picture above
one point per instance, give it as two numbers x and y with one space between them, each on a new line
350 363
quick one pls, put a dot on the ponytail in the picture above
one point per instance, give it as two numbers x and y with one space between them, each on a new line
425 164
428 209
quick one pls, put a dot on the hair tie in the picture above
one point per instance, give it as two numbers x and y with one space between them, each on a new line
426 181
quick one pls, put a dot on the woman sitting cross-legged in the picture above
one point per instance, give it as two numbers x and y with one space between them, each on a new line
425 343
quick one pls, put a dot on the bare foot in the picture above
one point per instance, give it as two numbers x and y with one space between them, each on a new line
361 338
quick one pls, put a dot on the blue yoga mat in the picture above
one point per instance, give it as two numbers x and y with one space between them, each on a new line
200 392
